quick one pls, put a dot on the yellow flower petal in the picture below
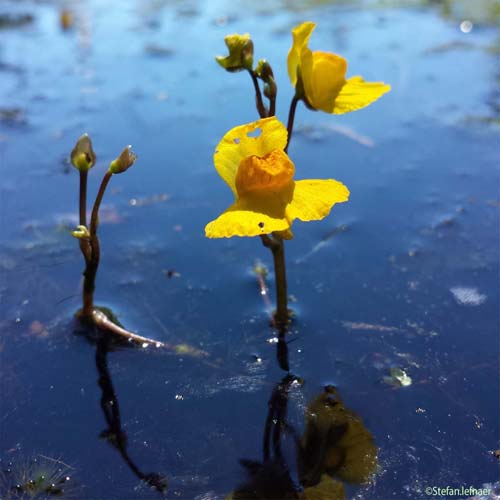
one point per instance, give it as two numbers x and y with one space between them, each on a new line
257 138
323 75
250 216
253 215
301 35
357 94
313 199
240 53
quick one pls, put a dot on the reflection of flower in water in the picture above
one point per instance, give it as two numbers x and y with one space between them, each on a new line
37 477
265 480
334 447
335 442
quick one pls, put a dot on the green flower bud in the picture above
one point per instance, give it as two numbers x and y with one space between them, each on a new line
265 73
240 53
270 89
123 162
81 232
83 157
264 70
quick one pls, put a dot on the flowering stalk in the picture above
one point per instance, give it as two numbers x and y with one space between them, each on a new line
274 242
84 243
92 264
83 158
291 118
261 109
258 169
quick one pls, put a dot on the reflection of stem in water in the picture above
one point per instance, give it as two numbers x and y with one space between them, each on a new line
276 420
114 434
282 350
271 478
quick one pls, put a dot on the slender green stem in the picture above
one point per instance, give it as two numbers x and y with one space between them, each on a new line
84 243
94 218
291 118
277 247
93 263
258 96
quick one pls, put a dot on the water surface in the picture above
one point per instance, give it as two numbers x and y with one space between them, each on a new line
404 275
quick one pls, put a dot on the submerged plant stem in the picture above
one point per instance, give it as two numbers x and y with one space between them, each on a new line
291 118
258 96
101 320
275 243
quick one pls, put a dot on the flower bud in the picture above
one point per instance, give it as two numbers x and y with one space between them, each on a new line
83 157
240 53
265 73
123 162
81 232
264 70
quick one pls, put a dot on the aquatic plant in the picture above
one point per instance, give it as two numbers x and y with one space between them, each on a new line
252 158
268 199
83 159
37 476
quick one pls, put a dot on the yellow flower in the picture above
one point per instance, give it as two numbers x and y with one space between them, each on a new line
251 160
322 76
240 53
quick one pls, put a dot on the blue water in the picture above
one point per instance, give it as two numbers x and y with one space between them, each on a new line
403 275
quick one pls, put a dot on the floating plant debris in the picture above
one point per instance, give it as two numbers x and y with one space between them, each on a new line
398 378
